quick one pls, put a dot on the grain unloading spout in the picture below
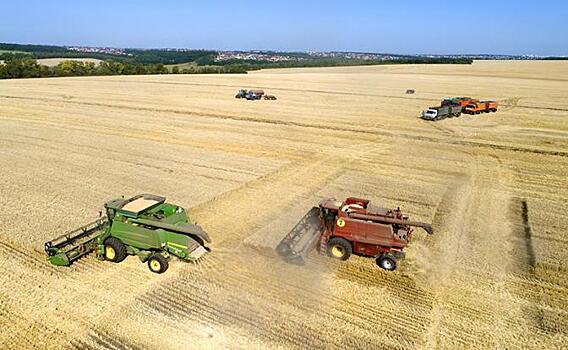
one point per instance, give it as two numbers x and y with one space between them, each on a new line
294 247
427 227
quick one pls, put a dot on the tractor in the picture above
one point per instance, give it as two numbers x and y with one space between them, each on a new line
144 225
352 226
250 94
242 93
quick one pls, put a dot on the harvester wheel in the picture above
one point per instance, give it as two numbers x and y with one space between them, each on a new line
157 263
115 250
339 248
387 262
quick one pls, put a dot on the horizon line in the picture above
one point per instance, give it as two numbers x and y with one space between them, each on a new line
290 51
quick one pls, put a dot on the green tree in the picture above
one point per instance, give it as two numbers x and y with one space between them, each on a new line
21 68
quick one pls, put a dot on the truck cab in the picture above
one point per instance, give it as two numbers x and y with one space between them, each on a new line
430 114
475 108
470 109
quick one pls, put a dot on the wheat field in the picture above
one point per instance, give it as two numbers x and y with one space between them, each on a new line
494 274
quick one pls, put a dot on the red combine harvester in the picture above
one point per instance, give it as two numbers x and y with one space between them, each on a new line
351 227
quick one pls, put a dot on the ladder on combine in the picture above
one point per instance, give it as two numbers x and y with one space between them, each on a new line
72 245
323 241
302 238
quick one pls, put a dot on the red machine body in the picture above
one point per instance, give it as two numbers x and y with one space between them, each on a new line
353 226
371 231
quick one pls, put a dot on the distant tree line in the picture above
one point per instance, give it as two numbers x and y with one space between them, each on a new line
29 68
25 67
131 56
20 62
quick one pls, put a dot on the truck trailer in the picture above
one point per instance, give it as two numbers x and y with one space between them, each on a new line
461 101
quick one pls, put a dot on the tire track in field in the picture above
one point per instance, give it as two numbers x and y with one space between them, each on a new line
509 103
342 129
476 290
264 306
30 258
103 340
237 312
546 317
360 314
30 278
233 215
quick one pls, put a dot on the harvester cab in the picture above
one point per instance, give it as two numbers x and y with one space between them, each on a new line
352 226
144 225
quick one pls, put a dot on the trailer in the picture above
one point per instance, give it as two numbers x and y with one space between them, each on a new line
352 226
457 101
491 106
144 225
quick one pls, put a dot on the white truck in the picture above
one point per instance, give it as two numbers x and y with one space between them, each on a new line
437 113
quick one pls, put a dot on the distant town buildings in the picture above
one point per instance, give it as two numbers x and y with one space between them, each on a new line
105 50
271 56
255 56
275 56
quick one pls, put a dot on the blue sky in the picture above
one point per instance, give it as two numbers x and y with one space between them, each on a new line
407 26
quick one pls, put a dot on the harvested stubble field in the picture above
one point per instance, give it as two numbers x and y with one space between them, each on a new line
495 186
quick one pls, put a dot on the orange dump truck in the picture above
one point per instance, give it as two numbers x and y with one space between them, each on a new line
492 106
481 107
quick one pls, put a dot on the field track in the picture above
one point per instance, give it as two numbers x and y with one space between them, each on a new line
494 274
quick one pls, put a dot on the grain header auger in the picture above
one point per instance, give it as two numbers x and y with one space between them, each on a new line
353 226
144 225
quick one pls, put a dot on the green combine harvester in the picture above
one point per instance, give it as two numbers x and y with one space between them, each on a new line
144 225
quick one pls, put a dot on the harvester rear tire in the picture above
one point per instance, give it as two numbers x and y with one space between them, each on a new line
115 250
386 262
157 263
339 248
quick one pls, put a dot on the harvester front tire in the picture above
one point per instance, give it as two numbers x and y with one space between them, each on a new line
339 248
115 250
386 262
157 263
